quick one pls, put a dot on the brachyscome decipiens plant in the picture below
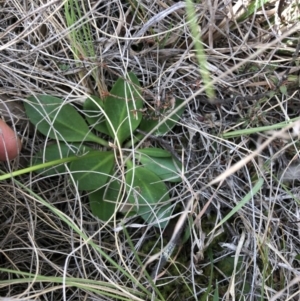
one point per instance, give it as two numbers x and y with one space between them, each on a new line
94 171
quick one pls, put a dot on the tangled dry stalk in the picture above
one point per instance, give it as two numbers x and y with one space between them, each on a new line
255 253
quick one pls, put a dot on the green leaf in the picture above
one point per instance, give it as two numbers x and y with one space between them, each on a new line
155 152
283 90
103 201
94 115
167 169
150 122
57 120
149 194
92 171
57 151
122 107
64 67
251 8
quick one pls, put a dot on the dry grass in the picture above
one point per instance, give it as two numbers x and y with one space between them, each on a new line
247 55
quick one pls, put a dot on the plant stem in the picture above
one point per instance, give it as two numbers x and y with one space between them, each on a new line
100 141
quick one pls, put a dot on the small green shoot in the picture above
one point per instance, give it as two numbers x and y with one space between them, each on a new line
94 171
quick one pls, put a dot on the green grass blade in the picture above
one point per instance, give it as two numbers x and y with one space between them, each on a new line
58 151
201 57
245 200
